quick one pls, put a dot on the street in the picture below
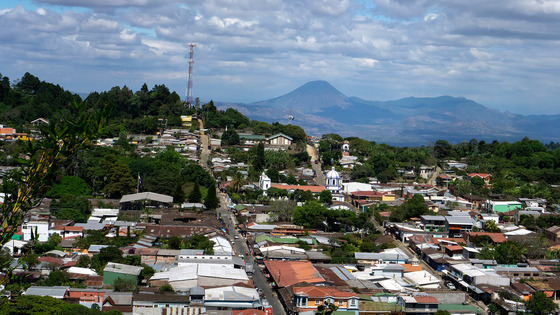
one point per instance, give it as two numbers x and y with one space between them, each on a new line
240 247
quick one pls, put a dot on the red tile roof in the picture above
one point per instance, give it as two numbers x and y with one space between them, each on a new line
454 247
247 312
482 175
313 189
51 260
287 273
323 292
426 299
495 237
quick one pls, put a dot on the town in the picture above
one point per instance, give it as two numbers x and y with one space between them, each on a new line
198 210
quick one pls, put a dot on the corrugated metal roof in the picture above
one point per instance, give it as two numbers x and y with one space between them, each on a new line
146 195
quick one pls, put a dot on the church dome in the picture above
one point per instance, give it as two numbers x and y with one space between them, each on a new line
332 174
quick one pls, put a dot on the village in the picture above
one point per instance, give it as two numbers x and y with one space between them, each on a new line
300 237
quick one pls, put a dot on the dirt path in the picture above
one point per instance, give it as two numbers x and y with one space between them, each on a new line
320 178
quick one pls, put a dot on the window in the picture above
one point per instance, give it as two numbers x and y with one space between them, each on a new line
340 302
317 302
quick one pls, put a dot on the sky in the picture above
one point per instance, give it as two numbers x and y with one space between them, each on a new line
503 54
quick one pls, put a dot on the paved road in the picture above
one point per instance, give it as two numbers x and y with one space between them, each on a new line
320 178
204 142
240 247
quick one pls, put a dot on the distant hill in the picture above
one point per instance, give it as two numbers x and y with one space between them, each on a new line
320 108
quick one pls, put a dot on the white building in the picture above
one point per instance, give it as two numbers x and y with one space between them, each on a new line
39 229
333 183
264 182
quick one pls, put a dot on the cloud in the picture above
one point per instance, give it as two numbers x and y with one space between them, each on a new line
383 49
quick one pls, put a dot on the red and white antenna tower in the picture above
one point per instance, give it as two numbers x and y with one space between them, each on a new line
189 100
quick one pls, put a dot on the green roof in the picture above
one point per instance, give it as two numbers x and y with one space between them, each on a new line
379 306
239 207
343 313
280 240
252 137
459 307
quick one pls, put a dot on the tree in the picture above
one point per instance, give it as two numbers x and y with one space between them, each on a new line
283 209
310 215
106 254
326 308
147 271
211 202
539 304
259 159
133 260
491 227
69 185
198 241
54 239
166 288
84 261
230 137
57 278
195 194
414 207
125 285
175 242
326 197
64 136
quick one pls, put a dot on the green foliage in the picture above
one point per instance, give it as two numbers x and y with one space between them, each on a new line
200 242
5 259
54 239
46 305
195 195
540 304
125 285
84 261
508 252
259 158
490 226
57 278
133 260
69 185
326 197
412 208
71 207
147 271
166 288
211 201
230 137
175 242
106 255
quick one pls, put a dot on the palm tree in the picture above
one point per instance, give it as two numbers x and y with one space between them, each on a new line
238 181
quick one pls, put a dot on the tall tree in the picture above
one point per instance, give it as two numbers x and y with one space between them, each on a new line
211 202
540 304
195 194
259 159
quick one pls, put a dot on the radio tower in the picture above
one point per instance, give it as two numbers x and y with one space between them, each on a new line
189 100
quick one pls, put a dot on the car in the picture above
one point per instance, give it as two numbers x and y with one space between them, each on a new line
451 286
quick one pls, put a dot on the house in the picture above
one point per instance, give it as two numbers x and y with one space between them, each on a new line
308 298
120 301
495 238
86 295
396 256
456 225
432 222
250 140
160 303
113 271
418 304
57 292
485 177
503 206
286 273
553 233
231 298
280 139
371 196
184 277
36 228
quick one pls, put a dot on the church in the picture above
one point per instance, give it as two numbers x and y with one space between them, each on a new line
333 183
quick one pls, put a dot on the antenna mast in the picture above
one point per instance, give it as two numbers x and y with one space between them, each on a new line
189 99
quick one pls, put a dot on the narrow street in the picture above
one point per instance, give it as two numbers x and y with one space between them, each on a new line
320 177
240 247
204 143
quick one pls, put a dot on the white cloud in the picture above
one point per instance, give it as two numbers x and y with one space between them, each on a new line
393 49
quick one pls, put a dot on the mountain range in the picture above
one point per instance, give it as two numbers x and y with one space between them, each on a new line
320 108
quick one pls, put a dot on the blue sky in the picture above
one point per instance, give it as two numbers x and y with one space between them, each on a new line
502 54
